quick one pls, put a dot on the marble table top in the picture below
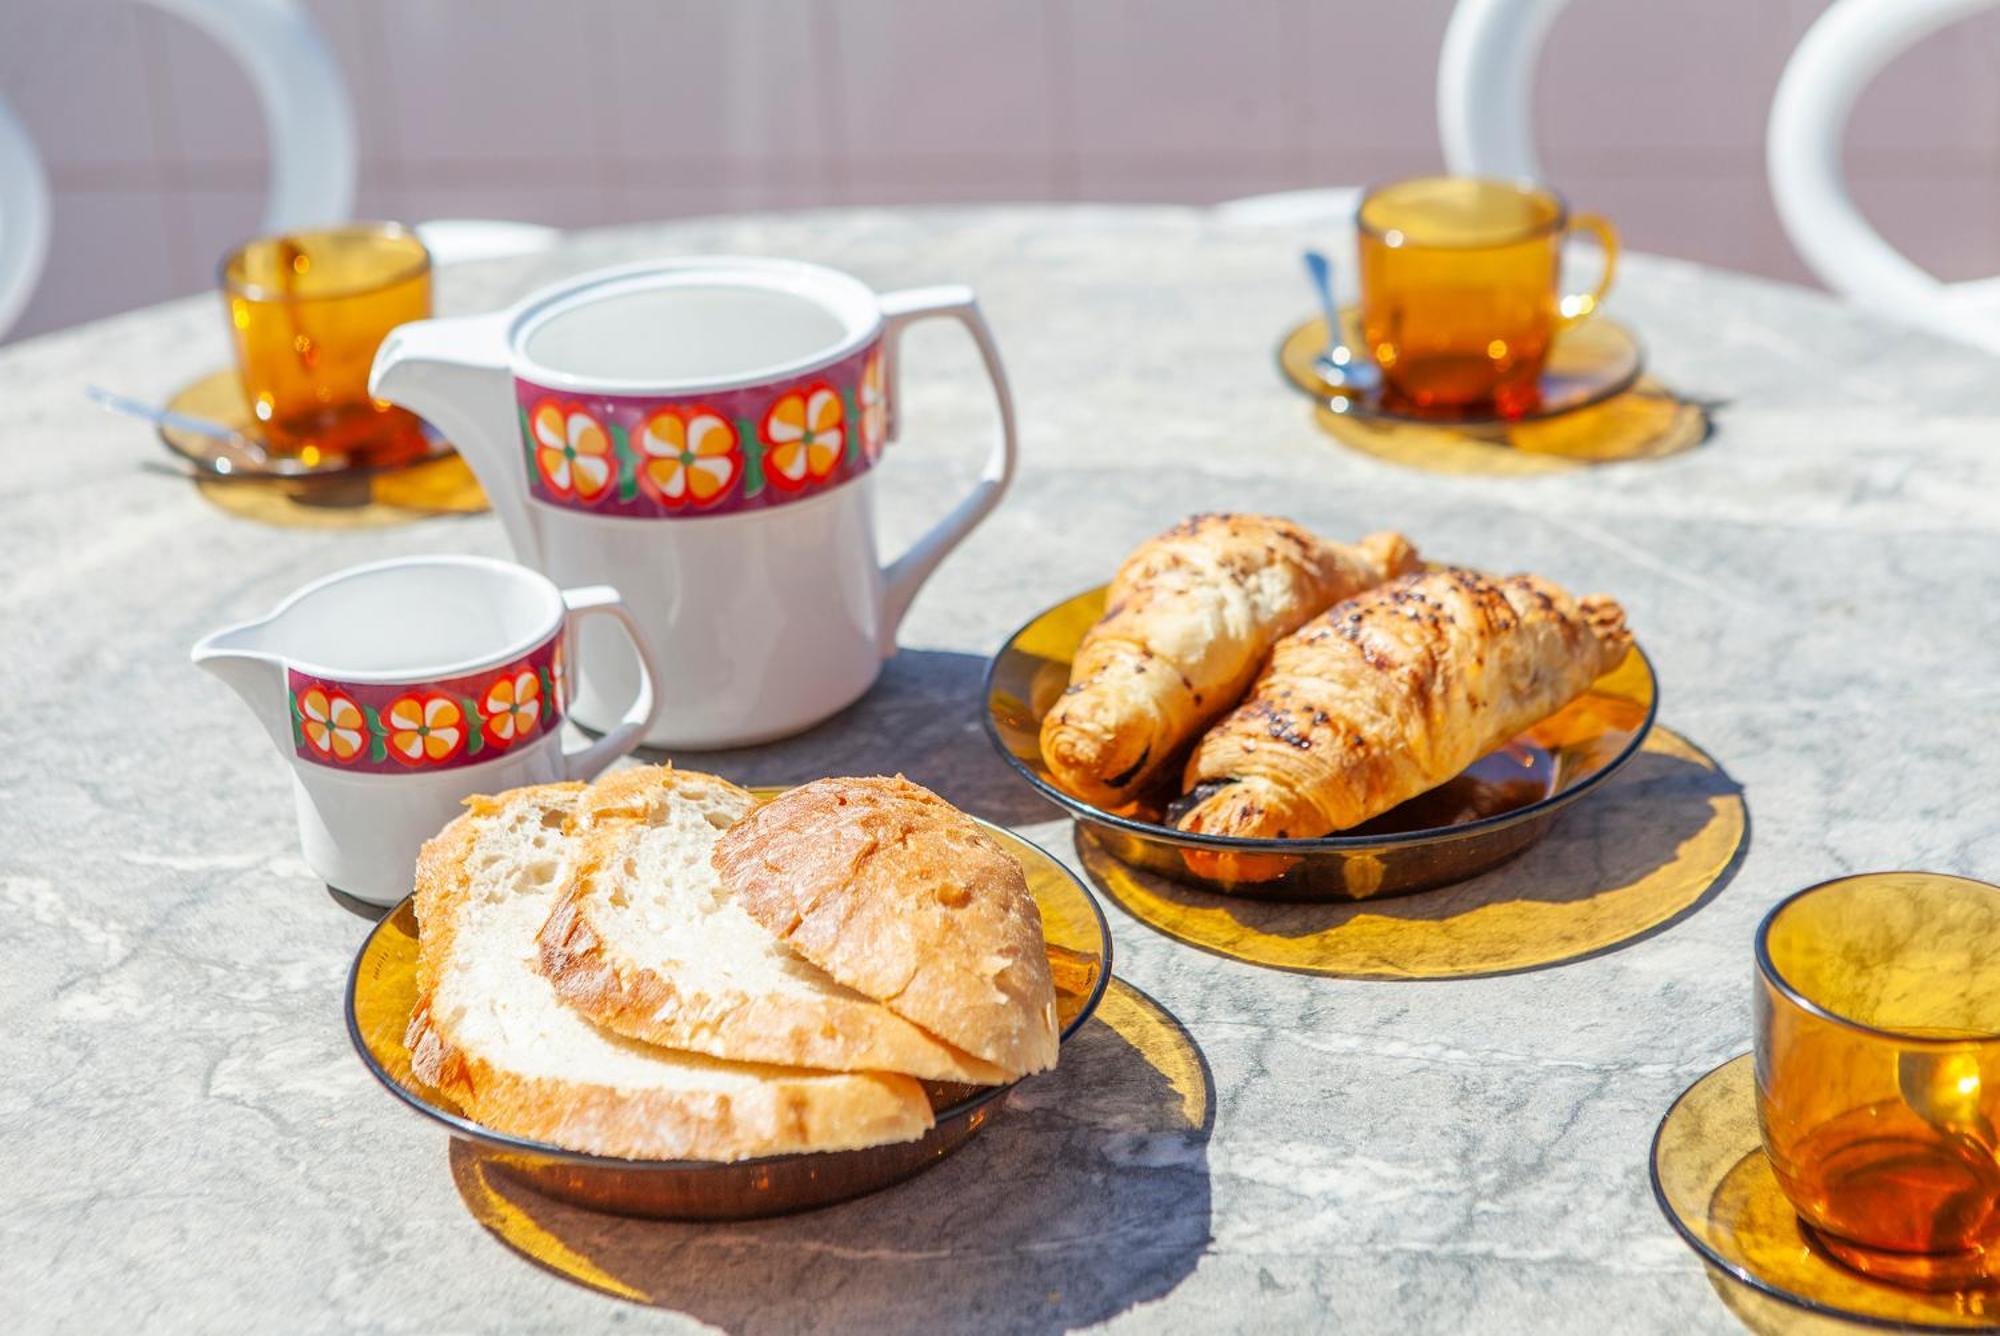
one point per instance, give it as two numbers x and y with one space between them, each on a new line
190 1144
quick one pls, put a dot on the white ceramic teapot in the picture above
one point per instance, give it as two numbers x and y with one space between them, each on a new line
702 434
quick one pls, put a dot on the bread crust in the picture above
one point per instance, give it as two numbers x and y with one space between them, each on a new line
901 896
782 1112
829 1031
1188 621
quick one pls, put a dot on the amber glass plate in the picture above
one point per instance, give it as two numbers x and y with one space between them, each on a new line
1654 845
1589 363
1138 1078
1503 802
1716 1186
382 987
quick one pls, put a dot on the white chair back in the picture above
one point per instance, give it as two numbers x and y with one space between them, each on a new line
307 112
1485 109
24 217
1846 47
1486 86
311 123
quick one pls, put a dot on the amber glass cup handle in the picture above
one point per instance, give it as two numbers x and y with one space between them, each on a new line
1579 306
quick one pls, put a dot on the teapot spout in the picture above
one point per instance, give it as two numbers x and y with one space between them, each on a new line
238 655
454 374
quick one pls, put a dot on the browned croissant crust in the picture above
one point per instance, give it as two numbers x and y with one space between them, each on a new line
1188 620
1392 693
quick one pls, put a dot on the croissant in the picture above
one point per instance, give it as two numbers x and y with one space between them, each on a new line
1392 693
1188 620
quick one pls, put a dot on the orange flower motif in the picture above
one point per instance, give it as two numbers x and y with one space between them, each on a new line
874 406
572 451
556 677
332 723
513 706
687 457
805 432
424 728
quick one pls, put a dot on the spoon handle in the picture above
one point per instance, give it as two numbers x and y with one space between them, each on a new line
1321 271
1345 373
166 417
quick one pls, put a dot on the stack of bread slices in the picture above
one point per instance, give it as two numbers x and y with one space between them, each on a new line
655 966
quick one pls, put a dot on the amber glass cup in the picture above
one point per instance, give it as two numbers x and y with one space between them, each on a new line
307 311
1460 280
1878 1072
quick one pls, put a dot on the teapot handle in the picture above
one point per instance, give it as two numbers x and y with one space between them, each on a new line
903 577
585 762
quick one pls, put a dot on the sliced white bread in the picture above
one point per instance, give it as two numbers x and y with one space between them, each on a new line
643 941
901 896
490 1032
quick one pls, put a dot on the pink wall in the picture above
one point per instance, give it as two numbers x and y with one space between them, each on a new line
622 110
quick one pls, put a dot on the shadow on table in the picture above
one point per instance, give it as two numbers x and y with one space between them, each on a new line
1658 841
361 909
920 719
1088 1195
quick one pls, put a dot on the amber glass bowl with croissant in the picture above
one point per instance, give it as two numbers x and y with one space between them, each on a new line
1494 810
1878 1072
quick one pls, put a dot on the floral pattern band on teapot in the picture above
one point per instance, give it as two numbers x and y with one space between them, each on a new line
728 452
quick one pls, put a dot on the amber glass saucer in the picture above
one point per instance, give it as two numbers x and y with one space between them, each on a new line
1502 804
359 490
371 442
382 988
1712 1179
1589 362
1648 421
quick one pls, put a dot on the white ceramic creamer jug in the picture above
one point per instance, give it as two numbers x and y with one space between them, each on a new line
702 434
398 688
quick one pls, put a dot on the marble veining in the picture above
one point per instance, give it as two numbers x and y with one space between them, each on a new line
191 1146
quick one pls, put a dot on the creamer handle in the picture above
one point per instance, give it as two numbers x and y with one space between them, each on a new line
585 762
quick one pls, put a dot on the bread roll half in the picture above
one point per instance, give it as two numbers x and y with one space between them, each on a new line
644 941
901 896
490 1032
